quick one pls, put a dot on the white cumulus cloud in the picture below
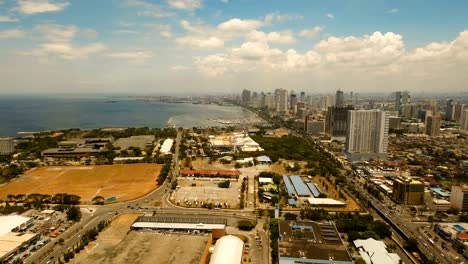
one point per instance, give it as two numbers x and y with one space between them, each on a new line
132 55
12 34
283 37
185 4
310 33
67 51
30 7
8 19
237 24
200 42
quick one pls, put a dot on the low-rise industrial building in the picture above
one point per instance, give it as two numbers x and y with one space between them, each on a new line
311 242
166 146
78 148
441 205
11 236
216 226
227 250
375 252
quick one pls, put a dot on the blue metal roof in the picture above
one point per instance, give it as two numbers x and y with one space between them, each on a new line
301 188
459 227
313 189
291 202
440 192
289 187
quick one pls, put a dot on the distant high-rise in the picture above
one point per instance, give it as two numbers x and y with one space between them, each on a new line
367 134
336 122
449 110
303 97
7 146
401 98
281 101
458 111
255 100
339 98
246 97
433 126
464 120
292 101
423 114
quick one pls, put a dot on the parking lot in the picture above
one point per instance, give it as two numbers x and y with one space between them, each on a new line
198 192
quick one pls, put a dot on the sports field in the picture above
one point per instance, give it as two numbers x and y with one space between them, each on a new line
122 181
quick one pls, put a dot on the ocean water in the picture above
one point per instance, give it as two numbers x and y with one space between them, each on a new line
33 114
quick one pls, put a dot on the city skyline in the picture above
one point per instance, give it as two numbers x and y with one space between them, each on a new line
189 46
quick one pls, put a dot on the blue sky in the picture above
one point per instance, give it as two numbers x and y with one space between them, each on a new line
195 46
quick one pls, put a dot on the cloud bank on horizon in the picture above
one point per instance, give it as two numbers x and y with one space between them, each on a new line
225 46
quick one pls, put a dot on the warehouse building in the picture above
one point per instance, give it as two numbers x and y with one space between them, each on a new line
227 250
166 146
311 242
216 226
11 239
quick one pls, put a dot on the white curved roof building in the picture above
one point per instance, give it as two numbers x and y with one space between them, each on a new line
227 250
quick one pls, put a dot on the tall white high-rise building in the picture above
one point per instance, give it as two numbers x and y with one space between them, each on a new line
281 101
464 120
367 134
7 146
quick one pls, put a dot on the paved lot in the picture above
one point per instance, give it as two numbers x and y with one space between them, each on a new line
122 181
206 191
107 241
150 247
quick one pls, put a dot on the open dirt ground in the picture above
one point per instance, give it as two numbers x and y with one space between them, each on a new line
150 247
107 241
122 181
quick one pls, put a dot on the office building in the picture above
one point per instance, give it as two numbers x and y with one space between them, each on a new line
459 197
394 122
246 94
7 146
336 122
408 191
303 97
423 114
281 101
401 98
314 125
433 126
449 110
292 101
366 134
464 120
339 98
458 112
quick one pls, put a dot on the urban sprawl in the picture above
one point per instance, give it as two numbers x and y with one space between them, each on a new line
337 178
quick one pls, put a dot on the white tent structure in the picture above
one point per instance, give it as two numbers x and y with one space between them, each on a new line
227 250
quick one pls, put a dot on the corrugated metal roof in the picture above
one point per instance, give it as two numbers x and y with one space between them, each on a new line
289 187
228 250
313 189
299 186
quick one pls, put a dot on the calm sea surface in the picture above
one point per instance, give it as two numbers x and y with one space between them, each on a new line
31 114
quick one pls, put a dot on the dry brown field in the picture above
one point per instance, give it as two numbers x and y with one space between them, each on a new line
122 181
